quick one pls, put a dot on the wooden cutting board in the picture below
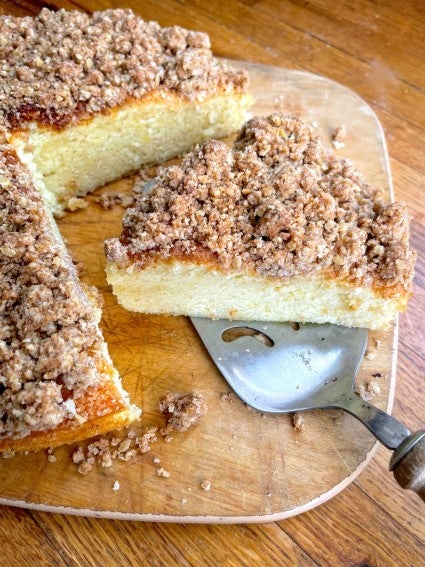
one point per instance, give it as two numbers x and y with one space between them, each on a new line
260 468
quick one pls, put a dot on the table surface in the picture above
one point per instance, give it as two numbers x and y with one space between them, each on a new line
377 49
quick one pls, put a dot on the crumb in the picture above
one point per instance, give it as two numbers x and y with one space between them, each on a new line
52 458
78 456
339 134
378 343
116 485
75 203
315 124
338 145
105 450
228 397
377 375
205 485
370 356
297 422
369 391
183 500
144 178
182 410
8 454
144 442
109 200
373 388
162 472
157 460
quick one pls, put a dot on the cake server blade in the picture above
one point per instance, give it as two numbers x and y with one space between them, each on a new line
293 367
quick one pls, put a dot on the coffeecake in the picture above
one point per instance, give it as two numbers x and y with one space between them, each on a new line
88 99
275 228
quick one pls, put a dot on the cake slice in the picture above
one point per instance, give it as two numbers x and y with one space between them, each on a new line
57 382
276 228
88 99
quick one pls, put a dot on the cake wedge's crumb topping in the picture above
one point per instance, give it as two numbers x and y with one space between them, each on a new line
48 337
277 203
60 65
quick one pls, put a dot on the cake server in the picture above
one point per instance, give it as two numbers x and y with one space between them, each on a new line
291 367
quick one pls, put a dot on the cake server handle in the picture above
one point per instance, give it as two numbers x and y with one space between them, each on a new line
408 460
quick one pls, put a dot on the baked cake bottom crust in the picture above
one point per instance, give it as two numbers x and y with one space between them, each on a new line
187 288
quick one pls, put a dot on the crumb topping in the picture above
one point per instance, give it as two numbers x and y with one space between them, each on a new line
46 325
278 203
61 65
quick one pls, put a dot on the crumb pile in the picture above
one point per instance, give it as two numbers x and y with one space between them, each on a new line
279 203
105 450
181 411
60 65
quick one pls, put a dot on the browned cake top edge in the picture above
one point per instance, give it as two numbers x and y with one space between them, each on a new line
62 65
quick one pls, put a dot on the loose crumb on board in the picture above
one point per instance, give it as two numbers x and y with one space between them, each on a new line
76 203
182 410
205 485
105 450
162 472
8 454
338 137
369 391
228 397
116 486
111 199
297 422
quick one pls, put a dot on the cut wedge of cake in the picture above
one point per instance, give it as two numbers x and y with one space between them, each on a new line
57 382
276 228
88 99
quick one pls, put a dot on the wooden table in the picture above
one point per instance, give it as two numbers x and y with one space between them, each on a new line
378 50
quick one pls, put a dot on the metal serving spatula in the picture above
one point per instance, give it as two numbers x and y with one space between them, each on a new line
291 367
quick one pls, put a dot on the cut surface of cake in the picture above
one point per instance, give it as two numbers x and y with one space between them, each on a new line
57 382
275 228
88 99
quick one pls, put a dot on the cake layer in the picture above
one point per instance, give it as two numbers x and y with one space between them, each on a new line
275 228
185 288
79 158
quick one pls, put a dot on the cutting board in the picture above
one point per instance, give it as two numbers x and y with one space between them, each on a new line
260 467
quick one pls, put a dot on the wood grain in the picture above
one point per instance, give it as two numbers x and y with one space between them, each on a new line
346 41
